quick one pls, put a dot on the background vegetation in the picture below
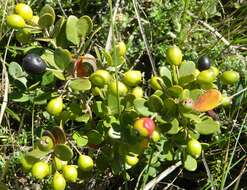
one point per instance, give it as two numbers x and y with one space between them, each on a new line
217 28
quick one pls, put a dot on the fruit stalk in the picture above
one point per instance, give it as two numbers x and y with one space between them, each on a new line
236 94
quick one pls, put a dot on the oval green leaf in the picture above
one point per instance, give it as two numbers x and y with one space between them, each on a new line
84 26
155 103
207 126
62 58
190 163
71 30
63 152
46 20
80 85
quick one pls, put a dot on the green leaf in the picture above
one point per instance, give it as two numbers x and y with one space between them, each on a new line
193 117
207 126
58 27
15 70
172 127
17 73
170 106
80 85
36 154
83 118
190 163
84 26
46 20
98 108
141 108
13 114
194 94
186 79
62 58
47 9
80 139
112 103
19 97
47 78
71 30
185 95
63 152
175 91
166 75
186 71
58 74
48 57
155 103
167 152
186 68
94 137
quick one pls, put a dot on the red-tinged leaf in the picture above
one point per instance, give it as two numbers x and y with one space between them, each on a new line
207 101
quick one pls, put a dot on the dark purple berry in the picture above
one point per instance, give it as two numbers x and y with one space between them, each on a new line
204 63
33 64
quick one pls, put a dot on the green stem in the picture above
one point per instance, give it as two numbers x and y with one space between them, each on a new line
32 126
175 76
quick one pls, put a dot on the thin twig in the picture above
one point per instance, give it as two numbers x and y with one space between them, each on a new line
61 7
224 177
171 183
5 80
162 176
144 38
239 176
207 170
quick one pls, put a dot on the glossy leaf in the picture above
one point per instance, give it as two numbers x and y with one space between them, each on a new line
63 152
80 85
166 75
190 163
171 127
58 74
85 26
207 101
46 20
186 79
175 91
80 139
71 30
155 103
62 58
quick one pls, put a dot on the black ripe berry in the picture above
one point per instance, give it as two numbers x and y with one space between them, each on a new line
33 64
204 63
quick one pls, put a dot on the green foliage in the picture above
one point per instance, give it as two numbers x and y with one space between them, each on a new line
100 124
